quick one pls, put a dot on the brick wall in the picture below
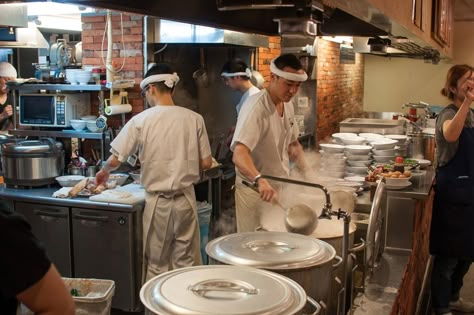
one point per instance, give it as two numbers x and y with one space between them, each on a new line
340 89
130 53
266 55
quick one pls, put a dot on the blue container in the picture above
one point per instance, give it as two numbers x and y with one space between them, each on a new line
204 217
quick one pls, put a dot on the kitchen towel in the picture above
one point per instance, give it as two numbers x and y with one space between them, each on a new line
136 195
118 109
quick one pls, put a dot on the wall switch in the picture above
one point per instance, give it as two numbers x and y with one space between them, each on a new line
302 101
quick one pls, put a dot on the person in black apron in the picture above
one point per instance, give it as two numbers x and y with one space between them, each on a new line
7 73
452 234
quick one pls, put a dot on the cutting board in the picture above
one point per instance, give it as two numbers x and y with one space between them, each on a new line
137 195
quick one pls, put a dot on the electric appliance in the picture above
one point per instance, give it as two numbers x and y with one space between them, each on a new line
52 110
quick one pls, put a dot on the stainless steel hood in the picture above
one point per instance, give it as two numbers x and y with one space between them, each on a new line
170 32
26 37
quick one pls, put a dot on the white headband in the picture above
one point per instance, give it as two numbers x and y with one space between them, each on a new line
288 75
170 80
247 73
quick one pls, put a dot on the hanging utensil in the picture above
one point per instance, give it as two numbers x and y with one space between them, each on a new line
200 75
299 219
257 78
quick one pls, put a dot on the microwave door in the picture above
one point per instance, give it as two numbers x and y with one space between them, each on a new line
37 110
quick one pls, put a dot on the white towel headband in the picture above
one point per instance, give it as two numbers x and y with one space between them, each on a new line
247 73
170 79
287 75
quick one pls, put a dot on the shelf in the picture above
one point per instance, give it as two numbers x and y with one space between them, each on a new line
58 134
58 87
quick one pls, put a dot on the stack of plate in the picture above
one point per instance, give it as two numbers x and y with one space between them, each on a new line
332 160
384 150
338 137
401 146
358 158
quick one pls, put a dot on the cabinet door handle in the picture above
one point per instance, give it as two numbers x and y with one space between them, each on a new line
55 214
101 218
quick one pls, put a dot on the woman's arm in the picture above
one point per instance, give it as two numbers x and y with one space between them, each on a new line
452 128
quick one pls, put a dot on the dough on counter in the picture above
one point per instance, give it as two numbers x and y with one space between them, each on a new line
116 194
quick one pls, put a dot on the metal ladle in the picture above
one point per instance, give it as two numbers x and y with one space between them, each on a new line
299 219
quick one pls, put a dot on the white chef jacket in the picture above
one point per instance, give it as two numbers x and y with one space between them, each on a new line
266 134
171 141
253 90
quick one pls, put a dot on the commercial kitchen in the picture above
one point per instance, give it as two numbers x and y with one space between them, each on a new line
375 70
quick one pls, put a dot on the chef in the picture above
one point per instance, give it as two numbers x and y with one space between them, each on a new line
7 73
173 147
266 140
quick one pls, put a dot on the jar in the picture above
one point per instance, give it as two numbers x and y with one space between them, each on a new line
399 166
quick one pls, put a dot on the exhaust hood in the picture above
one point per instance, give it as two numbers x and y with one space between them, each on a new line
170 32
25 37
395 47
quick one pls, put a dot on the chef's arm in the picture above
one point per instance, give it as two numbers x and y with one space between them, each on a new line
244 163
206 163
452 128
296 155
48 296
110 165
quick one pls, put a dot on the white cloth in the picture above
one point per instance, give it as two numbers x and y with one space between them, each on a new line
170 79
266 134
247 73
288 75
171 140
253 90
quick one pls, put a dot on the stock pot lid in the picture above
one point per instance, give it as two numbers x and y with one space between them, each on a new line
30 146
222 290
270 250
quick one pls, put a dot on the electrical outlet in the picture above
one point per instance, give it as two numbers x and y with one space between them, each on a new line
302 101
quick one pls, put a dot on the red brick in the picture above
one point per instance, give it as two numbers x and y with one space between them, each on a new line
92 19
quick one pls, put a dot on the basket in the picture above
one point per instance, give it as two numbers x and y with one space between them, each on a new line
95 295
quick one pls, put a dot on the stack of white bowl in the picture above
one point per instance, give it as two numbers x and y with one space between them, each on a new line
91 123
384 150
83 76
332 162
71 75
401 146
358 159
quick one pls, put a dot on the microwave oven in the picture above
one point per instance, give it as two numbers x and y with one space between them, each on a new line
52 110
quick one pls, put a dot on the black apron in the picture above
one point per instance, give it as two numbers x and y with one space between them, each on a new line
452 225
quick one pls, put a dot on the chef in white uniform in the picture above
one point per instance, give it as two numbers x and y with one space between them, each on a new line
173 148
236 75
266 140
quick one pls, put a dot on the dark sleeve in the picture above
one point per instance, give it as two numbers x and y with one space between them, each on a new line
23 261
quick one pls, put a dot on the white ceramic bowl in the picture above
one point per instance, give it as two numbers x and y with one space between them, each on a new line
135 176
397 181
71 75
69 180
329 155
383 158
92 126
384 152
332 148
357 157
83 77
371 136
384 144
120 178
358 149
333 161
400 138
78 124
353 140
332 168
357 169
89 117
359 163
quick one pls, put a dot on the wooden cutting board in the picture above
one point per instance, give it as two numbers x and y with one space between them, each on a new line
137 195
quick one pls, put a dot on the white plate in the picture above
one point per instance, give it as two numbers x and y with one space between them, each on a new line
396 137
370 136
332 148
422 162
344 135
358 179
398 187
384 144
358 149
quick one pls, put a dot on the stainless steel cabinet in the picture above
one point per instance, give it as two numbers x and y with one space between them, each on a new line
51 226
104 248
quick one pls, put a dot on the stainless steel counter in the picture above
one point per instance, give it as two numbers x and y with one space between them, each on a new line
44 195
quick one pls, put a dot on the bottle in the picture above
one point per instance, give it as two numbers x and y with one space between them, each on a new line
399 166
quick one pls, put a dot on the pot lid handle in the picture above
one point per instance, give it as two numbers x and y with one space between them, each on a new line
222 286
51 143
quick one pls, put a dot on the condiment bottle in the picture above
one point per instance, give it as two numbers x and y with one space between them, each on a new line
398 166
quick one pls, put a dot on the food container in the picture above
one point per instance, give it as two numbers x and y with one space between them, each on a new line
69 180
222 290
306 260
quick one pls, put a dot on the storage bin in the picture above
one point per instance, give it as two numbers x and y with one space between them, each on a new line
95 295
204 218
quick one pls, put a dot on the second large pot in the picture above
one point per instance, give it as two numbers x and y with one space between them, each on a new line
304 259
32 162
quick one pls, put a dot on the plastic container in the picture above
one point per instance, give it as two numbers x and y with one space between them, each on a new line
95 295
204 218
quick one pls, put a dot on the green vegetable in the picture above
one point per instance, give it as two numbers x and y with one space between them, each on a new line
74 292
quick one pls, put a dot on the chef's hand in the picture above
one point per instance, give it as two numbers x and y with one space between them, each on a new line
101 177
7 111
267 193
469 88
